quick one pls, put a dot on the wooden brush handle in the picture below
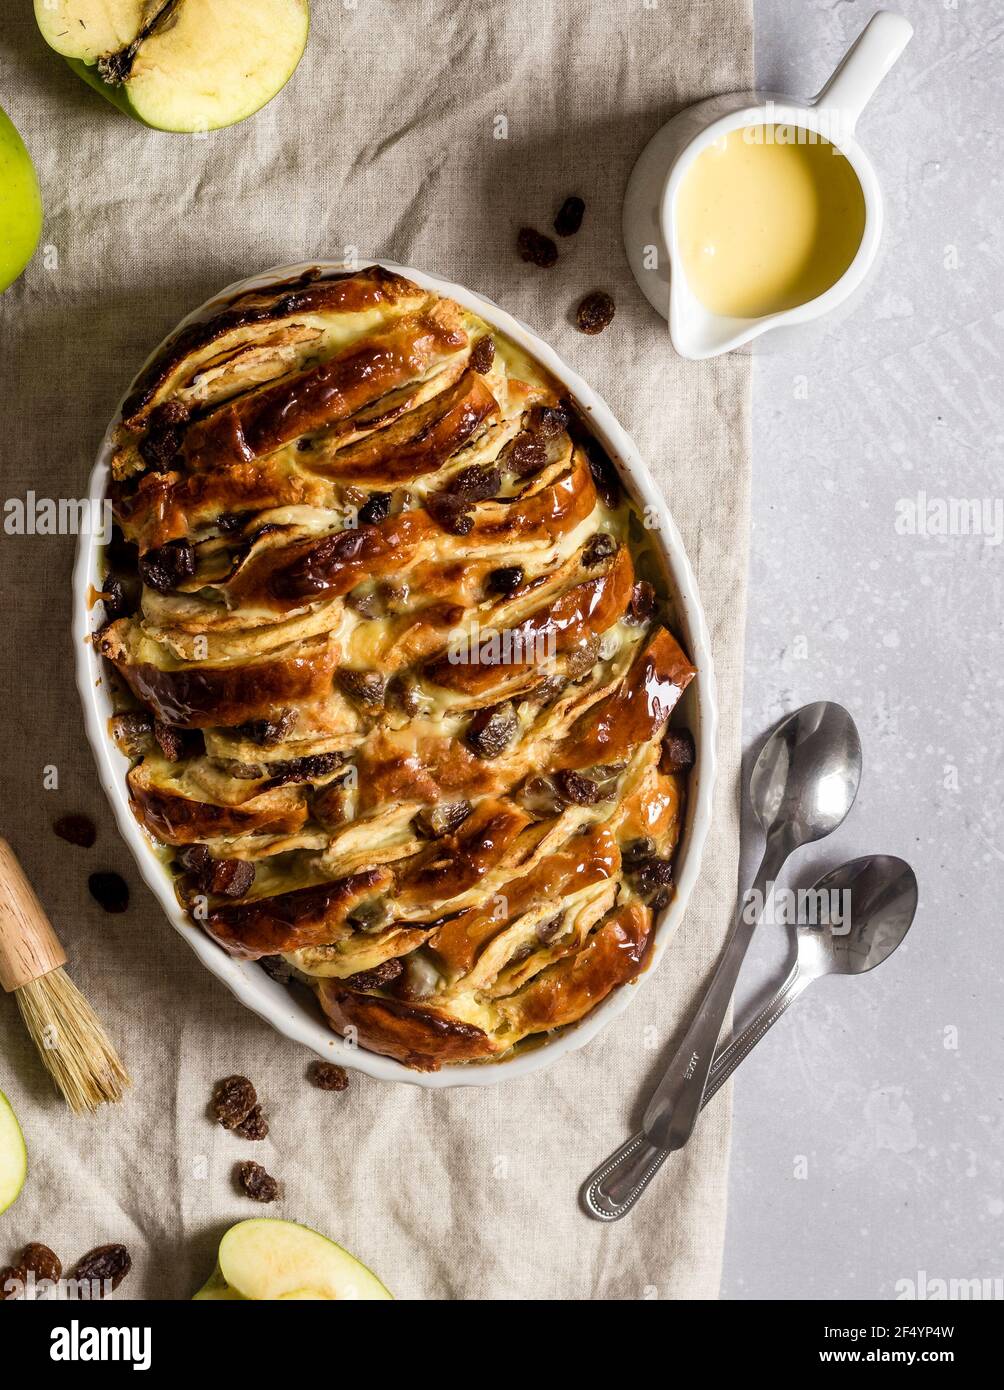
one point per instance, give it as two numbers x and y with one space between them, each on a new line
29 948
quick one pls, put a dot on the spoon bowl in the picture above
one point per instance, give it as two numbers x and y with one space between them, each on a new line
807 775
876 900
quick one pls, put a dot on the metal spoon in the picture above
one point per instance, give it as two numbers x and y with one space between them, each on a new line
881 892
883 901
803 785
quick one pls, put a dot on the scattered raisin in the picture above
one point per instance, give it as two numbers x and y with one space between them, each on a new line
176 744
77 830
12 1281
326 1076
594 313
332 805
246 772
165 431
376 508
227 523
254 1126
535 248
395 596
231 878
370 916
118 598
452 514
267 732
110 891
107 1264
256 1183
492 730
678 752
548 421
365 602
548 929
475 484
637 851
382 974
504 581
569 218
605 476
227 878
597 549
549 689
435 821
365 687
132 732
483 354
642 603
582 658
167 566
540 797
652 875
403 693
45 1263
233 1100
276 968
576 789
195 857
524 454
308 769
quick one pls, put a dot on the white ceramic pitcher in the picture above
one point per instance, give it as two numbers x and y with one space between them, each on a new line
650 230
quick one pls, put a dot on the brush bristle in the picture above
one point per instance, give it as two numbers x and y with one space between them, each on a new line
74 1046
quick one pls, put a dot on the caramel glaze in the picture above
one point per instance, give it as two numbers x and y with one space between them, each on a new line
264 420
309 570
202 697
181 820
396 767
421 1037
638 708
420 442
312 916
465 823
585 610
307 294
458 862
614 954
587 859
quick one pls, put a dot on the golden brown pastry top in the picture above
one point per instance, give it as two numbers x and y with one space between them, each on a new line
396 677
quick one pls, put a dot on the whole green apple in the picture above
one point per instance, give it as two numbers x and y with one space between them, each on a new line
20 204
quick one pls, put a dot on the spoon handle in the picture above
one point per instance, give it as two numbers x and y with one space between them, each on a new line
728 1058
672 1112
612 1189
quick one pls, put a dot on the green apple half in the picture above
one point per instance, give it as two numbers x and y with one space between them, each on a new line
267 1260
20 205
180 65
13 1155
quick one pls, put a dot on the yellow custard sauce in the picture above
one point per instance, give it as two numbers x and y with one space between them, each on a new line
768 217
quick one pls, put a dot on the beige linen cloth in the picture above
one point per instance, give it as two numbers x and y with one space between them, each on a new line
384 141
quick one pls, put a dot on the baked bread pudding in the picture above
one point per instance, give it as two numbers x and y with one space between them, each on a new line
392 666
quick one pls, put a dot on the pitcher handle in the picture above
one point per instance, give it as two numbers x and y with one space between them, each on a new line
863 67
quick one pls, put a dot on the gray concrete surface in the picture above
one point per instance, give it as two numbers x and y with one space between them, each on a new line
868 1134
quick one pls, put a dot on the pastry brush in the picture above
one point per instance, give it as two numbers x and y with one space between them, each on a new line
63 1026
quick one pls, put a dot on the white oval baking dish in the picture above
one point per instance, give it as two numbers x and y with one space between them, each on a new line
293 1012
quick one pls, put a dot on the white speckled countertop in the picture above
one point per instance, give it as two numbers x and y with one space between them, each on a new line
869 1130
